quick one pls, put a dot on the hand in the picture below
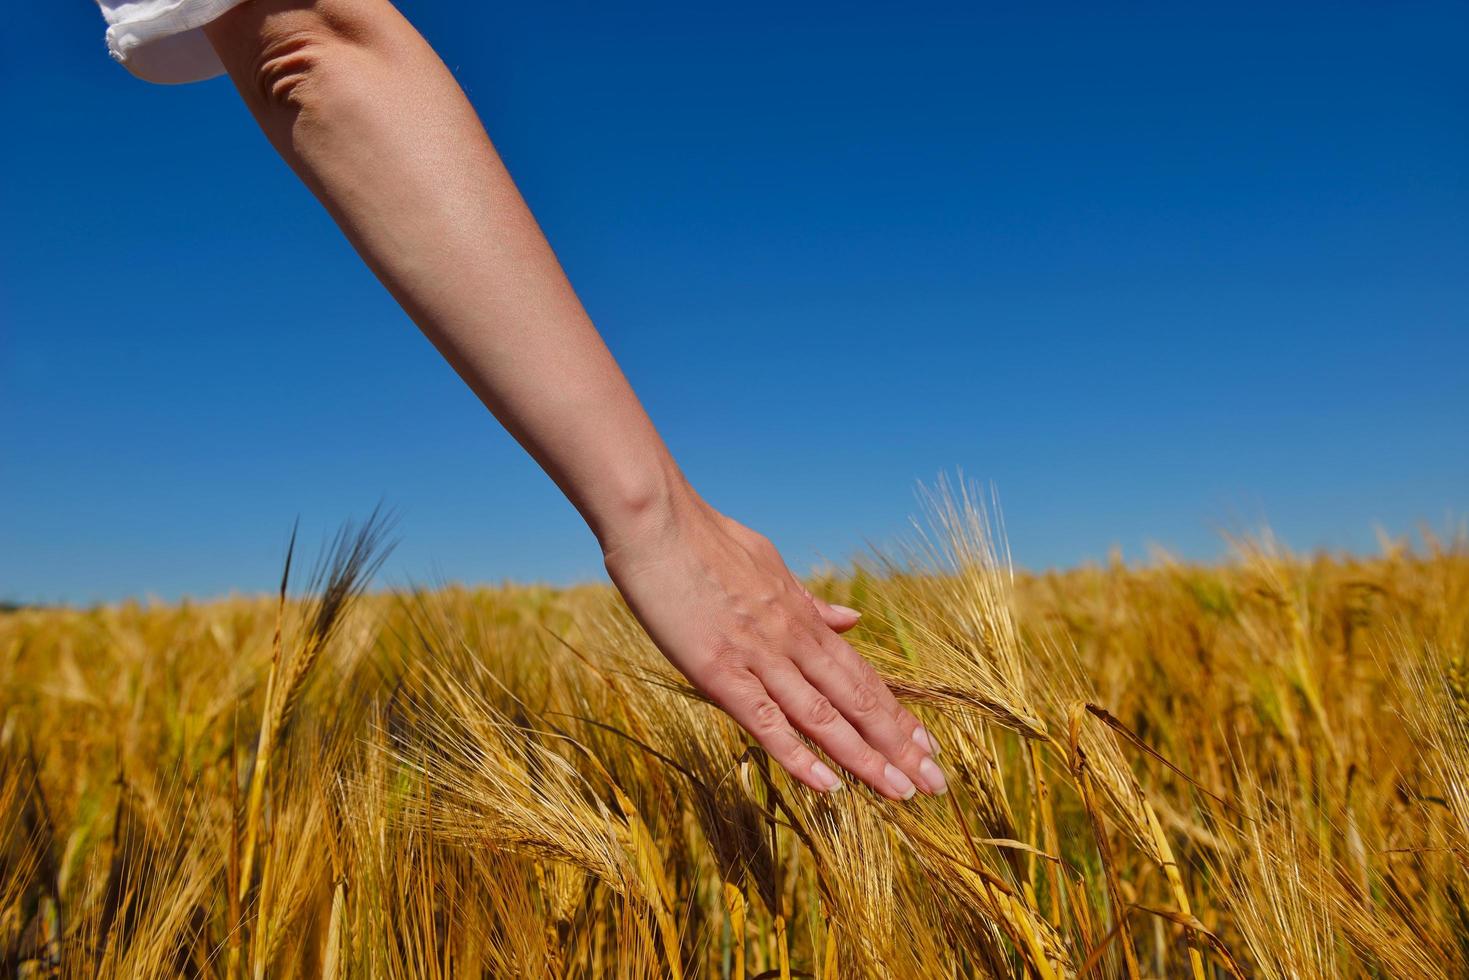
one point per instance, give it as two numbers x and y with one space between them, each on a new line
720 603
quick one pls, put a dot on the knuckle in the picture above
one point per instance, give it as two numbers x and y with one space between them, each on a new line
865 699
766 714
822 712
907 754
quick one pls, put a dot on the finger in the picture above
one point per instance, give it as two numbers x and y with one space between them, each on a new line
815 715
837 618
744 697
844 676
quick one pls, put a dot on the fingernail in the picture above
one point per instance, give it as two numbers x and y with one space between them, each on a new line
845 609
933 777
830 781
900 783
925 741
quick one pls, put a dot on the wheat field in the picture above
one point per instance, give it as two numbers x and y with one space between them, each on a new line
1253 769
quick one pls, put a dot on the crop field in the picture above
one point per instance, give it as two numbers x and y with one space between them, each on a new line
1252 769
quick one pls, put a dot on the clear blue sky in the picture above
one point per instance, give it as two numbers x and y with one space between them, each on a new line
1151 271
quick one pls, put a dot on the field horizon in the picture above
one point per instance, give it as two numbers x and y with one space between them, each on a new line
1424 534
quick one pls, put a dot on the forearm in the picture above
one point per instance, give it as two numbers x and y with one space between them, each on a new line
368 116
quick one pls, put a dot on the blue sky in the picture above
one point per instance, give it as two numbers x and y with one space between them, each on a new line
1153 272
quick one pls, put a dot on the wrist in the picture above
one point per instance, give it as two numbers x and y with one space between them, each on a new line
648 502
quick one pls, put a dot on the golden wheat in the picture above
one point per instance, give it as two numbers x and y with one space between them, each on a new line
1254 769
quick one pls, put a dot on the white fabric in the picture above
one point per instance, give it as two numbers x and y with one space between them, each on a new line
163 40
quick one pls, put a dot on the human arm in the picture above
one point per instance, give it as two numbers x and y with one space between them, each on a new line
367 115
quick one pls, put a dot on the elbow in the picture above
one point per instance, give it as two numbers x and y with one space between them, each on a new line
284 57
289 69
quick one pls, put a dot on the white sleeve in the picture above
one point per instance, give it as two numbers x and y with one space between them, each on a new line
163 40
